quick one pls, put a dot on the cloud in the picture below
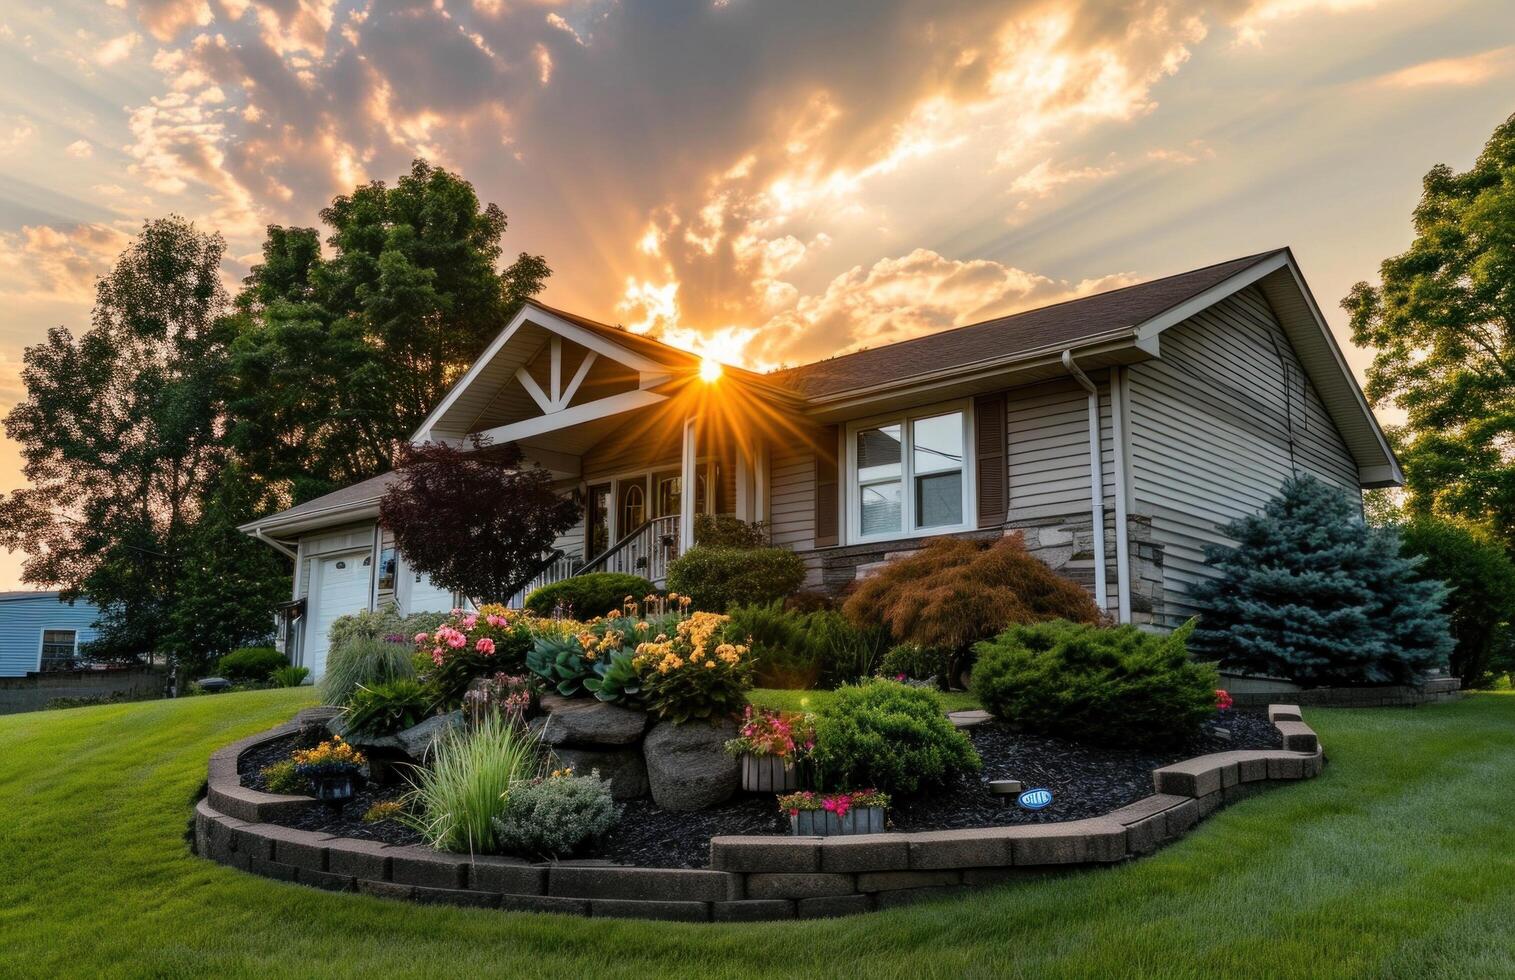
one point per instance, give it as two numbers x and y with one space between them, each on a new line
80 149
117 49
15 133
1251 26
41 262
1466 71
1046 177
166 18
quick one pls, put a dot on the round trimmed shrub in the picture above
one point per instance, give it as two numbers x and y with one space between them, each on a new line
588 596
251 664
555 816
717 578
1111 686
889 737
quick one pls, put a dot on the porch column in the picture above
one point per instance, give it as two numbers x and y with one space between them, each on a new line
760 480
688 481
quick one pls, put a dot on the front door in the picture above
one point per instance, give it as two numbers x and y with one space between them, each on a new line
633 506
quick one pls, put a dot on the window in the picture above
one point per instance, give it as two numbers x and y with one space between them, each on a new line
59 648
633 509
670 495
387 570
909 476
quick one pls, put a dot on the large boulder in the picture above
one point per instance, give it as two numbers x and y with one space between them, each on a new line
688 767
622 767
418 740
587 721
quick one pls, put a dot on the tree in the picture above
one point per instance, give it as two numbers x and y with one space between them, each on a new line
1313 594
338 359
1473 562
1443 323
120 433
474 521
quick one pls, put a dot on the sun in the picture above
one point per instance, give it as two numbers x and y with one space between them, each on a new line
710 370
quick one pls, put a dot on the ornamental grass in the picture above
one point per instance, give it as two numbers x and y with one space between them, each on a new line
454 803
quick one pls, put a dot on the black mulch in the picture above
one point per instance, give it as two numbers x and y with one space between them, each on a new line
1085 782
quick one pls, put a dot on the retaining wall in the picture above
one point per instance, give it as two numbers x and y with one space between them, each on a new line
32 692
750 878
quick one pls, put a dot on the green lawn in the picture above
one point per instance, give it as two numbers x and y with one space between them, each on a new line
1397 862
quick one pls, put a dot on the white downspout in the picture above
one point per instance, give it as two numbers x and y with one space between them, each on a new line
1122 541
1096 481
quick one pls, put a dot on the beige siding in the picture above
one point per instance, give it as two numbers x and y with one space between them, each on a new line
1049 450
791 508
1210 434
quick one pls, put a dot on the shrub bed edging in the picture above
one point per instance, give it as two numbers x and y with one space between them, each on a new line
750 878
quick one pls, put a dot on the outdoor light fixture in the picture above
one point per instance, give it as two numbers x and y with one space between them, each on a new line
710 370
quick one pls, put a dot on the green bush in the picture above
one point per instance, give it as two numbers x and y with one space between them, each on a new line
1111 686
728 531
914 662
385 709
454 802
289 676
717 578
365 662
366 624
556 817
1482 605
282 778
251 664
588 596
886 736
782 654
847 653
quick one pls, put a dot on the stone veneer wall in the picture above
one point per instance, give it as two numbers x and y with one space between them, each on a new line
750 878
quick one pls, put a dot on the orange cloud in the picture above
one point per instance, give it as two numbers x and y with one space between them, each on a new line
1469 70
46 263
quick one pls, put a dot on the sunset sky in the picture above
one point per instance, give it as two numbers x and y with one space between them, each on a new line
767 181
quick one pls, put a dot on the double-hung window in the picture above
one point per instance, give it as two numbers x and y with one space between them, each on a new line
60 649
909 475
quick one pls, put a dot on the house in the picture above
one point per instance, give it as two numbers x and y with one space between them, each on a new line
39 632
1115 432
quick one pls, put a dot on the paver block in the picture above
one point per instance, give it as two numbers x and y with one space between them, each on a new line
456 896
1074 842
359 858
752 910
1286 765
813 885
1298 737
1214 801
1182 817
775 854
883 881
837 905
326 881
302 848
427 868
1195 777
620 908
865 852
1144 808
1285 712
273 869
489 873
646 884
984 847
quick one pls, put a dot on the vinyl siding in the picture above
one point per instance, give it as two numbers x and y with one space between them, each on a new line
1210 434
1049 449
791 501
22 621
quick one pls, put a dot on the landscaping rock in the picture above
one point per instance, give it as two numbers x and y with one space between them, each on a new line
688 767
419 740
624 768
586 721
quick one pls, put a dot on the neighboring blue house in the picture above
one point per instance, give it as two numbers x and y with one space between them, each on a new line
39 632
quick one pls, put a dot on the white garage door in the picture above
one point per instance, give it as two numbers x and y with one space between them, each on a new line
341 588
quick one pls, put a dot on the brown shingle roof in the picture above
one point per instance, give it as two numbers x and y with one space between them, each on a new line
1063 324
368 491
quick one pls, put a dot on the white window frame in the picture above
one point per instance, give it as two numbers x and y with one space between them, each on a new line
853 512
42 641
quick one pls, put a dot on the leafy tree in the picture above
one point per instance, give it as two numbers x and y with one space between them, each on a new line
338 359
121 441
1313 594
1482 605
476 522
1443 323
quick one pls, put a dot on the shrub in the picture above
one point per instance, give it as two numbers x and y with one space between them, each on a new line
696 672
366 624
846 653
363 662
890 737
587 596
728 531
782 654
556 816
1313 594
470 645
453 803
717 578
1111 686
387 708
289 676
1482 605
251 664
916 663
953 593
283 778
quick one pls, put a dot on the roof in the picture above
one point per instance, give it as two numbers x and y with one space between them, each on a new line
19 594
367 492
1060 325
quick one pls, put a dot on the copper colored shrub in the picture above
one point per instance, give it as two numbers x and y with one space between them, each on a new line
953 593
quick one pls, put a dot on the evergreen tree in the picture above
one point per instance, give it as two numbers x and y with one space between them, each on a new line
1313 594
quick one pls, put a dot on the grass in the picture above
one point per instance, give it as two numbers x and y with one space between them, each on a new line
819 701
1397 862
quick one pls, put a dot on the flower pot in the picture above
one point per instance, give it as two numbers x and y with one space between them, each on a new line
768 774
823 823
334 791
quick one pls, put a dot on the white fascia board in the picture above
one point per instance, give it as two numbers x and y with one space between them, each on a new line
626 401
348 513
1211 296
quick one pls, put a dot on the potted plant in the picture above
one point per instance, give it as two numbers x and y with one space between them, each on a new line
771 745
333 769
833 814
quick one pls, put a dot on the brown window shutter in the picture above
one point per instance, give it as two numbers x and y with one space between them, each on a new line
826 489
990 464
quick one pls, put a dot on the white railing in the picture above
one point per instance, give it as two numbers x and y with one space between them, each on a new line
564 566
646 551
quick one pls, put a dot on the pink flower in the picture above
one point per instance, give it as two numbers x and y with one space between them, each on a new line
498 622
436 656
485 646
421 638
469 622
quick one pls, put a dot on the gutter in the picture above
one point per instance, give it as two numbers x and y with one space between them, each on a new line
1096 480
278 546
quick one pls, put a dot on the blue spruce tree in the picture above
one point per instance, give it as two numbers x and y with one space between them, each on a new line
1313 594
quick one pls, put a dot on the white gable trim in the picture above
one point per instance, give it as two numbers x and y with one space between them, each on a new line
651 371
626 401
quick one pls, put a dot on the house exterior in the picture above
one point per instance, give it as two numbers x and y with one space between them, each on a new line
1115 432
40 633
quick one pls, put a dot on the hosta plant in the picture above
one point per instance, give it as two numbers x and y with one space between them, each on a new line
616 680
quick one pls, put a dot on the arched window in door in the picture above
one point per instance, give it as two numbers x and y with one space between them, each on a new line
633 508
